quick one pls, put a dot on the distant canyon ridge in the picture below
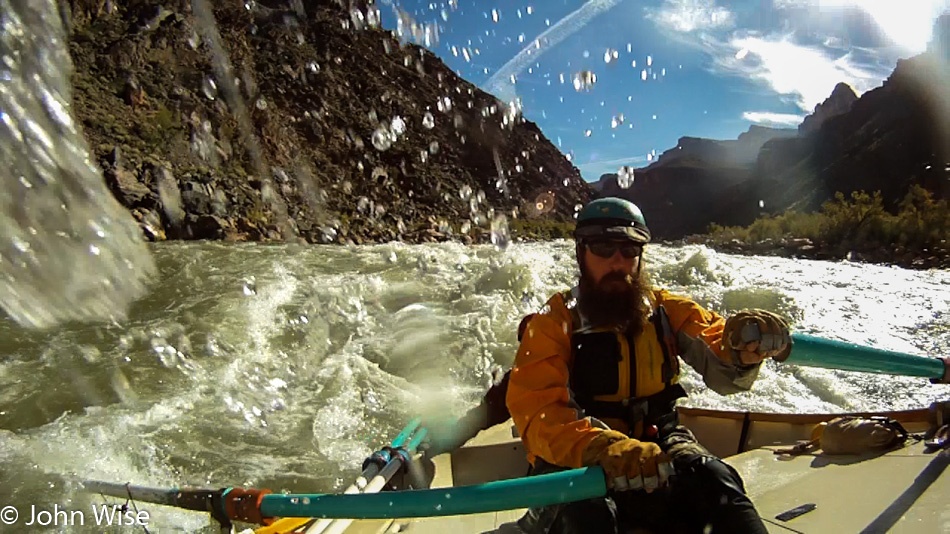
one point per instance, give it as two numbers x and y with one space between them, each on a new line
889 139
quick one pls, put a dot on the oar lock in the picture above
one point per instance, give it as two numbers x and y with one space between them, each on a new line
383 456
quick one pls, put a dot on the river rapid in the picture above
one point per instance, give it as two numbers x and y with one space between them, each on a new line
283 366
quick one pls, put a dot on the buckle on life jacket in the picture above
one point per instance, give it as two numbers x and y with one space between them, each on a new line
658 409
635 410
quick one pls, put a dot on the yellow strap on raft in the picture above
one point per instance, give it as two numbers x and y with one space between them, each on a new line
284 526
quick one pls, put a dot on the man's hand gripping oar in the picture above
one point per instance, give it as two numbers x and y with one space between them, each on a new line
629 464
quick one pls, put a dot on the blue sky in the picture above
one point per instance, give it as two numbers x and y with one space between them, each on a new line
665 68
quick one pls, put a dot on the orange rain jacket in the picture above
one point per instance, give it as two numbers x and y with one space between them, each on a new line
551 423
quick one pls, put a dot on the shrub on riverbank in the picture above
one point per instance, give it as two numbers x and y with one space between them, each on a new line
921 225
541 229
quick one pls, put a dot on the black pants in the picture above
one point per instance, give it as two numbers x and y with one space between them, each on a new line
706 495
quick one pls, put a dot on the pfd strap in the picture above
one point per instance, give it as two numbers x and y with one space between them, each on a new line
667 339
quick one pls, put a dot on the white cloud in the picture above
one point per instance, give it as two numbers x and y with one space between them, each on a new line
803 72
806 73
908 24
773 119
691 15
500 83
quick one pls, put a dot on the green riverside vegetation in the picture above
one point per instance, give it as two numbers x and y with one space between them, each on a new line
920 226
541 229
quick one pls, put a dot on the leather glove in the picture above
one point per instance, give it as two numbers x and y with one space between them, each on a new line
755 335
629 463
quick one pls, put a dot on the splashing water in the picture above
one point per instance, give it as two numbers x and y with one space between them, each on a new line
68 250
224 73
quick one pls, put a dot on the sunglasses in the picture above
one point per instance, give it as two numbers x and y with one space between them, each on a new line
607 249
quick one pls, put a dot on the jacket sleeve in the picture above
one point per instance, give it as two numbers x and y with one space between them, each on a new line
699 341
539 398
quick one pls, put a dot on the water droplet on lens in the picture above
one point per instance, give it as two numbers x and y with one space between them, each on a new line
625 177
584 80
398 126
209 88
362 205
499 232
382 138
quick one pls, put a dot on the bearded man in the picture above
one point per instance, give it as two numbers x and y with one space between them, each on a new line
595 382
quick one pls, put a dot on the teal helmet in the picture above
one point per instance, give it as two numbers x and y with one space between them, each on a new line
612 218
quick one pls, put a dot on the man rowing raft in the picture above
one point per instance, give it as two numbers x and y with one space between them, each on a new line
595 382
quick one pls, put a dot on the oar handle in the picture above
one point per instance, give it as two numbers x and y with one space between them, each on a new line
814 351
528 492
197 499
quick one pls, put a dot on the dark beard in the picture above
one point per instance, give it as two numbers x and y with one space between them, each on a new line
617 300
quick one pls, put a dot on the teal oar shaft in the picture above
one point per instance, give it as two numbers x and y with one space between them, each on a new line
407 432
417 439
528 492
814 351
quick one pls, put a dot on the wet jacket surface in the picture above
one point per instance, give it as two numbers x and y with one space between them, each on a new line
552 424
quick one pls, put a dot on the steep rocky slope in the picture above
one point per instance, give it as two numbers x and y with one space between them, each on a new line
307 121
